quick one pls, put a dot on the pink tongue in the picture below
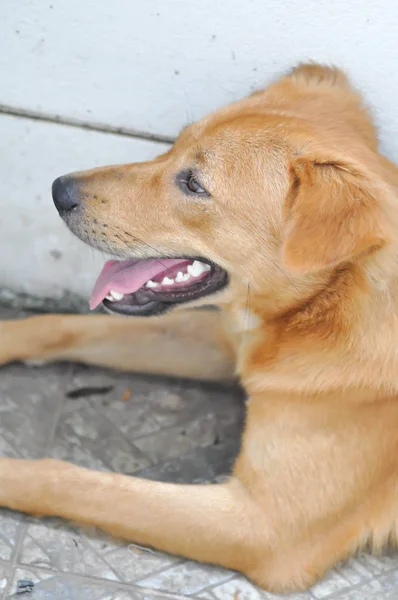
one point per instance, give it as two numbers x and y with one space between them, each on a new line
128 276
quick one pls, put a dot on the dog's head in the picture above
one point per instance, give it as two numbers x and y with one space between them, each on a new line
272 192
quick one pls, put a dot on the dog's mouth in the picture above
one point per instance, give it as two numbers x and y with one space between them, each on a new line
149 287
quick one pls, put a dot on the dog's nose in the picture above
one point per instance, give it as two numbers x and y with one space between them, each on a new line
65 194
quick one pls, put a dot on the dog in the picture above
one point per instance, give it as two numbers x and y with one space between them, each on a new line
280 211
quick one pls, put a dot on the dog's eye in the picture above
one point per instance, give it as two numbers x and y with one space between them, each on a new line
189 184
194 186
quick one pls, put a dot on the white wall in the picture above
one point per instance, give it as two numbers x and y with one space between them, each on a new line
150 66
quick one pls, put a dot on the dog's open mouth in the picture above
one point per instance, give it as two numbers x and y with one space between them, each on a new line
150 287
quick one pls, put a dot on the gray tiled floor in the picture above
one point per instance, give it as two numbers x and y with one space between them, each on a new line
168 430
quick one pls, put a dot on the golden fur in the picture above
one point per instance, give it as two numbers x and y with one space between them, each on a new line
303 216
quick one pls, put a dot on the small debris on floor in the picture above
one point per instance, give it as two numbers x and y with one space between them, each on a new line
89 391
25 586
138 549
127 395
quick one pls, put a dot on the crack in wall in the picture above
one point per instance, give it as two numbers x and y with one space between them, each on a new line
87 125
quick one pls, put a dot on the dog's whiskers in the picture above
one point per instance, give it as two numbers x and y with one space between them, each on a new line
139 241
246 318
290 280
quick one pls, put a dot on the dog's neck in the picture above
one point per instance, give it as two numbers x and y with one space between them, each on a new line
343 335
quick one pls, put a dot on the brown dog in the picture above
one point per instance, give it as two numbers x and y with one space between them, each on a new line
285 215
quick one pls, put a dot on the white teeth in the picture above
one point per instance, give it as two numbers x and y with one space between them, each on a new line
109 297
167 281
194 270
151 284
116 295
197 268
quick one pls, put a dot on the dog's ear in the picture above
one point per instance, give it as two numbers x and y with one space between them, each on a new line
333 213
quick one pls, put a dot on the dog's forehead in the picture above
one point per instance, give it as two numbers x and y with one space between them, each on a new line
226 131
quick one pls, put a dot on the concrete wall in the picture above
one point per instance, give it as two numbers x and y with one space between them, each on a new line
146 68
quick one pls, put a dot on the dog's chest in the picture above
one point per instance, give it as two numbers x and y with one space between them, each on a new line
244 320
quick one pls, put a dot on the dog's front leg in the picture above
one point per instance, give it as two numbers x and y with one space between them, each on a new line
189 343
211 523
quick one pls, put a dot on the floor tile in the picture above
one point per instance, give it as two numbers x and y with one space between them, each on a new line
6 575
9 525
50 586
